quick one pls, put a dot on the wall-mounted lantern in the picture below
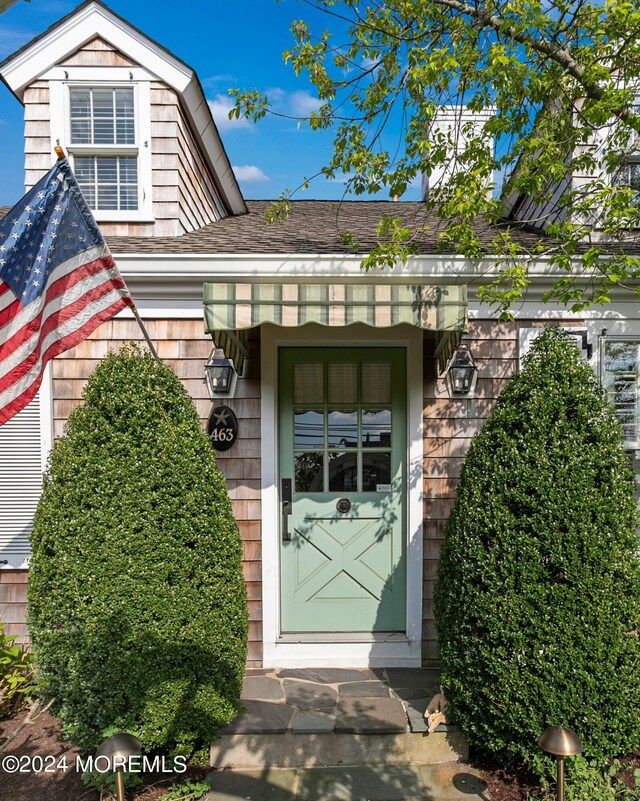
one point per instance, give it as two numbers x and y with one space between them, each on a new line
461 371
561 742
218 373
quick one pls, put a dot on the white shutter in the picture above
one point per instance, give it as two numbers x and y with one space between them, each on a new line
20 483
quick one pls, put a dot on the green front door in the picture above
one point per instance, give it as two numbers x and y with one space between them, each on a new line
342 437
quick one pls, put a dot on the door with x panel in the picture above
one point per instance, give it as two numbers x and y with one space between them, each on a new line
342 463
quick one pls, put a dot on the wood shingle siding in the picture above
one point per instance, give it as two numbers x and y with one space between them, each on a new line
188 198
201 200
37 132
449 426
185 348
183 191
97 53
13 603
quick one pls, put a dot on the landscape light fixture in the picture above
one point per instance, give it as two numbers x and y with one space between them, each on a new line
118 749
217 374
462 371
561 742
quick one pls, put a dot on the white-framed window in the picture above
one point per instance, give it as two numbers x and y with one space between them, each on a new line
105 126
629 175
104 146
621 379
526 336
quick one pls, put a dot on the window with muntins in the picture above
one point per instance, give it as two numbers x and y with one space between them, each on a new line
104 146
630 175
621 376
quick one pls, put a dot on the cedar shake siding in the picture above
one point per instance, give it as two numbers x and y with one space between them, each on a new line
13 604
37 131
97 53
183 346
184 195
449 426
183 190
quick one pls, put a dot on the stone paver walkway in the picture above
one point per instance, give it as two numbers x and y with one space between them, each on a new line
344 700
449 782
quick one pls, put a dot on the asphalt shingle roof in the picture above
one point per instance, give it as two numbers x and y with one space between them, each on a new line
314 226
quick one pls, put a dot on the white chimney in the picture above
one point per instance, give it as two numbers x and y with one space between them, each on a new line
453 123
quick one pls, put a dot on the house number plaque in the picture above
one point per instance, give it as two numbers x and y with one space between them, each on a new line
222 428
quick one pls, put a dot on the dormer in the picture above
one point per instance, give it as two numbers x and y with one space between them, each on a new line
133 119
550 205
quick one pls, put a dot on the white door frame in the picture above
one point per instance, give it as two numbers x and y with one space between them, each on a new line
354 651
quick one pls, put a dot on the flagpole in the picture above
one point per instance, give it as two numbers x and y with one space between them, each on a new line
61 155
144 331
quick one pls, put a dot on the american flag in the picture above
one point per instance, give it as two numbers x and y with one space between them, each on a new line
58 283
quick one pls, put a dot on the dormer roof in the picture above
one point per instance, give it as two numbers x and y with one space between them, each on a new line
92 19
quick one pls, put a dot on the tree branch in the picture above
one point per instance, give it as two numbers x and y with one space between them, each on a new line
556 53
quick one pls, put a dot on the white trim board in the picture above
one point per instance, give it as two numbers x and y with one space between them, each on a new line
60 128
393 651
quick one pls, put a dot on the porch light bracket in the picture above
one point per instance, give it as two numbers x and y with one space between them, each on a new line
461 372
218 375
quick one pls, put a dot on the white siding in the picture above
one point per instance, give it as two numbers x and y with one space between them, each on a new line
20 483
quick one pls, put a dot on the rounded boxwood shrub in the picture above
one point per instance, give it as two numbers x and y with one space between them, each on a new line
537 599
137 604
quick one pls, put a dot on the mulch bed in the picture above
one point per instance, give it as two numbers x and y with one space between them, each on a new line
43 738
503 785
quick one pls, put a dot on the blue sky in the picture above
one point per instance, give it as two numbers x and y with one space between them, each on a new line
229 44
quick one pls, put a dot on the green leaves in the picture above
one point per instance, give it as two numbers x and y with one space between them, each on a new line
187 790
137 604
16 674
556 80
539 577
588 781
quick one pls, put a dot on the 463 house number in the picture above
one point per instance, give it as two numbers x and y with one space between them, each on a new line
222 428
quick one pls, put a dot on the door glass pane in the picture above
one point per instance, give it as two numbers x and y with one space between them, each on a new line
343 472
308 383
376 471
343 383
309 428
376 428
376 382
342 428
309 472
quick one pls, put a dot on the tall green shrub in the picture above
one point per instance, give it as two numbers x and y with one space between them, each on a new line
137 605
537 600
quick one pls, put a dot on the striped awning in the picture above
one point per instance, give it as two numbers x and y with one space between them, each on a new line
230 310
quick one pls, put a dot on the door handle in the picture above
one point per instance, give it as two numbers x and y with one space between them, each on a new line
286 511
287 507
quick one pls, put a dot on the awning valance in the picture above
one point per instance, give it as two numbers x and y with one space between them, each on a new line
231 309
